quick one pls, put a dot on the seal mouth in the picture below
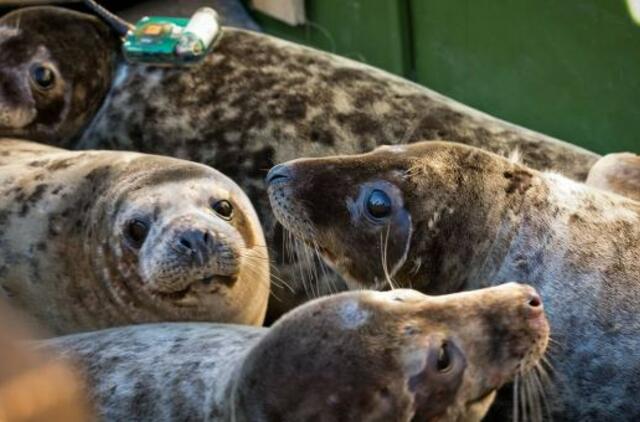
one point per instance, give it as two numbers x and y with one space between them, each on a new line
227 280
482 399
208 285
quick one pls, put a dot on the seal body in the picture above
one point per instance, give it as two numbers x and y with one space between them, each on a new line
366 356
257 101
94 239
619 173
443 217
56 67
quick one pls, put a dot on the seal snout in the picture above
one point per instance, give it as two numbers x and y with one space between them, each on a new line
278 174
196 244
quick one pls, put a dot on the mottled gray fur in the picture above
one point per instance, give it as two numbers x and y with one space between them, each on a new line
479 219
258 100
68 258
357 356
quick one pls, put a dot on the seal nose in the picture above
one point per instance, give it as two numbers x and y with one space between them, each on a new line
279 173
196 244
533 304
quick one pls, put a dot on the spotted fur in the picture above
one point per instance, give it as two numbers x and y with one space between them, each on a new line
67 258
257 101
480 219
364 356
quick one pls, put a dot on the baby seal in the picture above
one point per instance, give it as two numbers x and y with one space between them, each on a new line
94 239
443 217
56 66
619 173
356 356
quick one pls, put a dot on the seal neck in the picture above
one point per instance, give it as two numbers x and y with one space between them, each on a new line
461 243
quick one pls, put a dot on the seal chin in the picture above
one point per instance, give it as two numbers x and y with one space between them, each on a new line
195 293
476 409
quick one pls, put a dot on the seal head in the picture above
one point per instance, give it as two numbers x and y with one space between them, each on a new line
362 212
393 356
108 238
56 67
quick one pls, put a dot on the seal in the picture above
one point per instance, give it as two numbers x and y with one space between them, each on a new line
56 67
94 239
257 101
618 172
444 217
357 356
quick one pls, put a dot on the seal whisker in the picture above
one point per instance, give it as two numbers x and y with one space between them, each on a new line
320 264
383 257
534 398
543 394
516 409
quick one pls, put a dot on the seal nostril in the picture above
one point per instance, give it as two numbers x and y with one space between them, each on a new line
184 242
535 301
279 173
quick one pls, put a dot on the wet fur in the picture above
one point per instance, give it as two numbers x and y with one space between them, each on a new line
477 219
65 259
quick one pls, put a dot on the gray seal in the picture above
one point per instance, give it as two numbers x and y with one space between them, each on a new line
95 239
56 66
258 100
356 356
444 217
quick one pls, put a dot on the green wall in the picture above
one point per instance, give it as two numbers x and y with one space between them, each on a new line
371 31
568 68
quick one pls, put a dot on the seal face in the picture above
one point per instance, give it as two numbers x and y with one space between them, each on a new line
55 68
365 356
477 218
95 239
618 173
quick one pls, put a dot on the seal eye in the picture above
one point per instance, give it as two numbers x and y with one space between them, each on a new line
379 204
444 358
137 231
223 208
43 76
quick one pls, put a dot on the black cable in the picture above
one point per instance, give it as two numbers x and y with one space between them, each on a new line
121 26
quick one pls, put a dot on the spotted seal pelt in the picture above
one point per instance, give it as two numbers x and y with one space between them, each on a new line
355 356
618 172
257 100
445 217
56 66
94 239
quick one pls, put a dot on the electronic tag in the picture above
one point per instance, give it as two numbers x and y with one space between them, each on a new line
171 41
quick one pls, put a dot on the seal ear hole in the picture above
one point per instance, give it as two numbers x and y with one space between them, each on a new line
223 208
137 231
443 364
378 204
42 76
